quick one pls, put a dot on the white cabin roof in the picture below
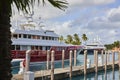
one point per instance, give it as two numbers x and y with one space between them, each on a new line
37 42
35 32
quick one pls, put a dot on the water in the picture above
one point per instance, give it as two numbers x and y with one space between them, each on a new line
102 75
80 61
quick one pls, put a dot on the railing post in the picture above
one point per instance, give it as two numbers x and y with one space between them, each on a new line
85 62
70 64
52 65
75 57
63 55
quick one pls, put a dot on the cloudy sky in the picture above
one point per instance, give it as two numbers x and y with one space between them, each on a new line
93 17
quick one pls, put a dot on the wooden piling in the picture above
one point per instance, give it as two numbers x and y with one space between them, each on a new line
108 56
96 67
52 65
94 57
70 59
102 55
63 56
113 59
105 60
75 57
119 58
48 59
27 61
85 62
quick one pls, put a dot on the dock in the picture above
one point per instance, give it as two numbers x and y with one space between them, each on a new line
61 73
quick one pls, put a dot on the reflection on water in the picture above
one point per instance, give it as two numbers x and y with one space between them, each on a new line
102 75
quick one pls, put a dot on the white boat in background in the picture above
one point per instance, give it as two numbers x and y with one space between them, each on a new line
95 45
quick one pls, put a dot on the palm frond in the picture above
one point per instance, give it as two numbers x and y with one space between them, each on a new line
59 4
25 5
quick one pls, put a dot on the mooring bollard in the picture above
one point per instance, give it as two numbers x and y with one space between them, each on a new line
85 62
63 56
70 63
48 59
52 65
29 75
75 57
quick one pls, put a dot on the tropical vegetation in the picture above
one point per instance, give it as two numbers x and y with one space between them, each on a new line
84 38
73 39
5 34
115 44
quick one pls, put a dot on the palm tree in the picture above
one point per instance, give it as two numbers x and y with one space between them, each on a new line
5 34
84 38
61 38
76 40
69 39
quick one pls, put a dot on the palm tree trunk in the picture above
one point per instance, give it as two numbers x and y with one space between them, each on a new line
5 40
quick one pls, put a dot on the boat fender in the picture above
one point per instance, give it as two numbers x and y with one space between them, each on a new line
24 63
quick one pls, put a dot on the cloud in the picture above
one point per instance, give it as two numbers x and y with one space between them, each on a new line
114 15
92 22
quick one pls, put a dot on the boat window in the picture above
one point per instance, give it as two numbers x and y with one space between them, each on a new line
29 36
49 38
52 38
17 47
19 35
13 47
24 36
38 37
32 47
43 37
15 36
36 47
33 37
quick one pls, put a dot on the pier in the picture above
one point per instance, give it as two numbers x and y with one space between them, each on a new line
74 70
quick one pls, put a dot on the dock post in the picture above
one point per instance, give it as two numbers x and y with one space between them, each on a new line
48 58
113 59
119 58
85 62
27 61
75 57
70 63
105 60
96 67
63 56
102 57
94 57
108 54
52 65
